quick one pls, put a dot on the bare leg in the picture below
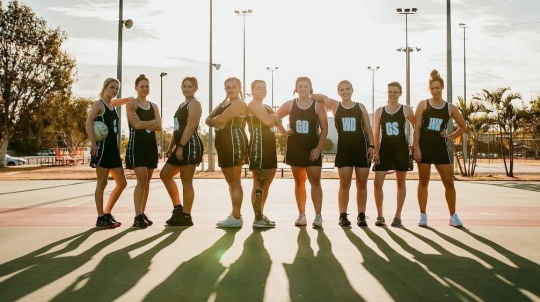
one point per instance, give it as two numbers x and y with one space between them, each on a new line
299 174
121 184
267 183
149 173
345 176
233 176
424 173
186 175
102 175
361 188
257 193
167 177
378 191
447 177
401 178
138 193
314 177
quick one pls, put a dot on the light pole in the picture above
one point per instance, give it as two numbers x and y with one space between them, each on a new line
128 23
272 69
243 14
407 12
211 65
161 75
464 26
373 69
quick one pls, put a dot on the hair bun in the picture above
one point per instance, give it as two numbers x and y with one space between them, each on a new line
435 74
142 75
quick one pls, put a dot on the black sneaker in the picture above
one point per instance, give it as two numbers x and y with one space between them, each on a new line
343 221
150 222
361 220
179 218
110 217
104 222
139 222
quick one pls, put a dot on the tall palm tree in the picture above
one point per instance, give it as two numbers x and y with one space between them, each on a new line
475 117
500 106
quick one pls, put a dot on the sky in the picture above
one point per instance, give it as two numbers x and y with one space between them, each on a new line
328 41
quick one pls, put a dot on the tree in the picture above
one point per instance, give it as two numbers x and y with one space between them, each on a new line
505 115
70 121
475 118
34 70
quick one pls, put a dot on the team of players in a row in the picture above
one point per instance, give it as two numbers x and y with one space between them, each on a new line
387 146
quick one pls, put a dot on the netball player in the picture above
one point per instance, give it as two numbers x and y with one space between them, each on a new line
105 155
184 154
231 145
430 137
142 152
391 150
262 150
308 128
354 150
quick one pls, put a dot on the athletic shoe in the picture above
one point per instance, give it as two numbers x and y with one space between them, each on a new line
111 218
139 222
380 221
423 220
343 220
230 222
361 220
301 220
105 222
396 223
317 222
454 221
263 223
150 222
180 219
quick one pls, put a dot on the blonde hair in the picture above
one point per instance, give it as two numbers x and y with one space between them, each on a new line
193 81
106 83
255 83
395 84
303 79
239 84
344 82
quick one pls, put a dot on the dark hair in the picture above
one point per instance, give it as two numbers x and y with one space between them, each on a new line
140 78
434 76
303 79
395 84
106 83
193 81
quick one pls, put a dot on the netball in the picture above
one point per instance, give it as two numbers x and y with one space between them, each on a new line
100 131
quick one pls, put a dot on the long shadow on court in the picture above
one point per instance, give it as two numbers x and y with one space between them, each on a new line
195 280
520 274
118 272
318 277
246 277
475 281
42 267
403 279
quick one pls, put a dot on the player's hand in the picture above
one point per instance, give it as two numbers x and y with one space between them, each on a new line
417 155
315 154
376 158
179 153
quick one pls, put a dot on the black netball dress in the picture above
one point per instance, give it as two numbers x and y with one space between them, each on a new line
142 148
108 154
432 144
352 140
305 124
193 150
393 147
262 143
231 141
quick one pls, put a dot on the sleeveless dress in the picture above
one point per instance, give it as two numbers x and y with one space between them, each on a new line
305 124
352 140
432 144
393 147
193 150
262 143
231 141
142 148
108 154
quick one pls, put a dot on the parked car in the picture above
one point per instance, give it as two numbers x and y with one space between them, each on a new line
14 161
45 153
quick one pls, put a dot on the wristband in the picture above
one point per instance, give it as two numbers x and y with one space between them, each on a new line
371 146
181 146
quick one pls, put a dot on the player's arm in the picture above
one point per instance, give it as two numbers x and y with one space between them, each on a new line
95 110
157 117
134 120
238 108
257 109
417 126
367 129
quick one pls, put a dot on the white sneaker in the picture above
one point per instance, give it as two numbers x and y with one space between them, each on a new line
263 223
423 220
454 221
301 221
317 223
231 222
